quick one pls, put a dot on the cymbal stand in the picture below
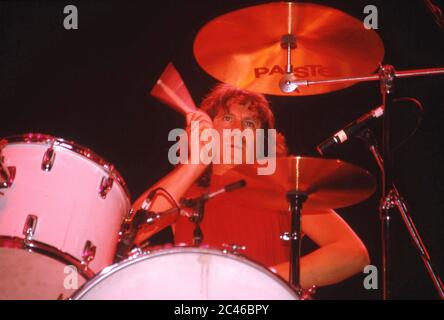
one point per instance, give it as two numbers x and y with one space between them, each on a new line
296 200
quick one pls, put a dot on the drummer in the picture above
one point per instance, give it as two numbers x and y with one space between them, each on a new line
341 254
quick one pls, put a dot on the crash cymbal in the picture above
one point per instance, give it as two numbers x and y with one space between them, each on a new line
329 183
243 47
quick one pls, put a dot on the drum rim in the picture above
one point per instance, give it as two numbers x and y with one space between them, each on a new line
41 138
111 269
48 251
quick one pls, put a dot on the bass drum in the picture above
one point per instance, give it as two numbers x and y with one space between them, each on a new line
61 208
186 273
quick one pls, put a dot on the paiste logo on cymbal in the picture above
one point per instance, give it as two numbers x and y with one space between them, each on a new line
310 70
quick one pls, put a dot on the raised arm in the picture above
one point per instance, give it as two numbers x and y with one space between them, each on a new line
177 182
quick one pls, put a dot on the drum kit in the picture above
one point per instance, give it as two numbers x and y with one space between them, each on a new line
64 208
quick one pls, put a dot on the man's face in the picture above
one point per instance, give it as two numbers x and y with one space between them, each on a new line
239 117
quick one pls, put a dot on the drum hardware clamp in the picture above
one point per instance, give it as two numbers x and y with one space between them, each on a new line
233 248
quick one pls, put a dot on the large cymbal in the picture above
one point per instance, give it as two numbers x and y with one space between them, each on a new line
243 47
329 183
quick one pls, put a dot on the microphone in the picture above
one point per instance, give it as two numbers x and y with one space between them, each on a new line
349 130
127 239
146 204
207 196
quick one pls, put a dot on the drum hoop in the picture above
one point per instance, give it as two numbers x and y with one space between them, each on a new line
109 270
46 250
41 138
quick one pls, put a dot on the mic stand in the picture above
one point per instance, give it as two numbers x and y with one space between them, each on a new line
394 199
198 206
387 76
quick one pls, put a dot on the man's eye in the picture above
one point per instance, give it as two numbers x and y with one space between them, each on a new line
227 117
250 124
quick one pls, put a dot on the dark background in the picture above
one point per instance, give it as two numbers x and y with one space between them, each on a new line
92 85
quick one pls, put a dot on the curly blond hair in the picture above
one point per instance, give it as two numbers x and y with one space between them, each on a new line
221 96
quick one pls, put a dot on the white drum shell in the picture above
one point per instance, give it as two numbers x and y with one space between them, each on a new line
187 274
66 201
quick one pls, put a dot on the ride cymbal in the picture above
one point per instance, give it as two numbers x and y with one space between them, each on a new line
243 47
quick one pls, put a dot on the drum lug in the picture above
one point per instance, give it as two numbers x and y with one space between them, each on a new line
233 248
105 186
48 159
88 254
7 176
30 228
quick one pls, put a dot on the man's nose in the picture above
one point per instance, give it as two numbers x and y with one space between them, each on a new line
237 125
